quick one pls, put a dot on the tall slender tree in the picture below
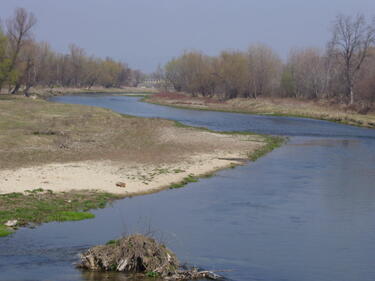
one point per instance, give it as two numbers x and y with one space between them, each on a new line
351 40
19 30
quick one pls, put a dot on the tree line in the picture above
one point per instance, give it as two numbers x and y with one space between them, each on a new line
344 72
25 62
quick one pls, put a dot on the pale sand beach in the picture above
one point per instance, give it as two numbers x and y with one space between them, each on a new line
228 150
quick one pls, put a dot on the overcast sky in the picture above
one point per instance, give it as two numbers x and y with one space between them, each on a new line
145 33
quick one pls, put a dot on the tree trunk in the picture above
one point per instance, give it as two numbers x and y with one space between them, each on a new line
26 91
16 88
351 95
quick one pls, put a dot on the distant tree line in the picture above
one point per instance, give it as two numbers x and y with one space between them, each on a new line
344 72
25 63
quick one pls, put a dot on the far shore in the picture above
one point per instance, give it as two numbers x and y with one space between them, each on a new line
46 92
321 110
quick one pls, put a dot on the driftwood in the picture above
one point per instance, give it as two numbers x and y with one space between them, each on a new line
139 254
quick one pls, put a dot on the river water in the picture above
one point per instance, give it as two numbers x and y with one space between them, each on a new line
304 212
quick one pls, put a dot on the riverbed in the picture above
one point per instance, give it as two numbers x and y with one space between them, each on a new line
302 213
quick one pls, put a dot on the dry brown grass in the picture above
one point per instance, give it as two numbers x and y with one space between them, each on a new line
273 106
37 132
34 132
57 91
46 92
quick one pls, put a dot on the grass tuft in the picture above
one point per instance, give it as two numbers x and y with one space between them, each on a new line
152 274
185 181
4 231
112 242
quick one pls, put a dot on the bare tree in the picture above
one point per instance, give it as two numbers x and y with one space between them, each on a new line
365 86
264 70
77 61
138 77
174 75
309 71
19 30
351 40
26 67
232 73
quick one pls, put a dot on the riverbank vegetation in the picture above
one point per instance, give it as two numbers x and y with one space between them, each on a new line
39 206
344 73
27 63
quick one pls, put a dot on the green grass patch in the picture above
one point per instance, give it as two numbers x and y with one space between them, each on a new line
112 242
39 206
272 142
185 181
152 274
4 231
177 171
70 216
141 95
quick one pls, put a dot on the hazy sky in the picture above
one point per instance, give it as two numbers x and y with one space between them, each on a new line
147 32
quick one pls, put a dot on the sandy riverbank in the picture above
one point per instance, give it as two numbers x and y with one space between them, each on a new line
221 151
103 176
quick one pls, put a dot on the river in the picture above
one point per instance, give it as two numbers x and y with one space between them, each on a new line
304 212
